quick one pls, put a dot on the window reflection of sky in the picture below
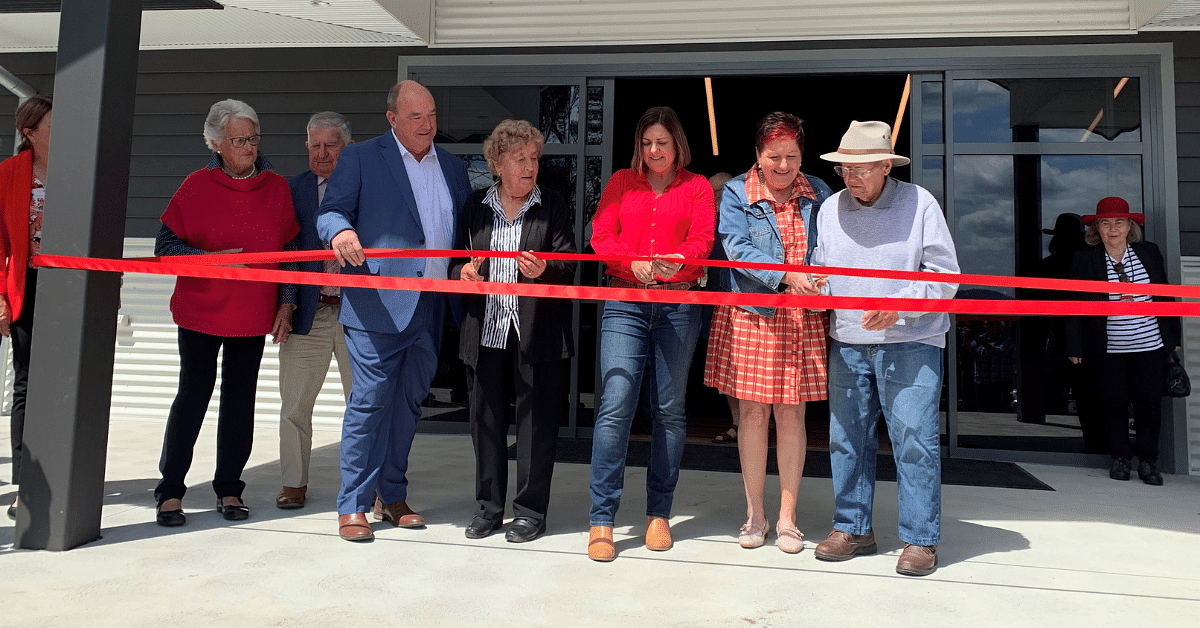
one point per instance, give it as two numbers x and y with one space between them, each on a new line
984 206
1052 108
1074 183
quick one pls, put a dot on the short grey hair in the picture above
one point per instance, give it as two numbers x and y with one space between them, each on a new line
330 119
220 114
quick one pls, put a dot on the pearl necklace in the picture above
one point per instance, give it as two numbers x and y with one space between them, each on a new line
253 173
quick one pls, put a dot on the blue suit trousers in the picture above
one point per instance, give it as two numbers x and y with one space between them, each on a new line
392 375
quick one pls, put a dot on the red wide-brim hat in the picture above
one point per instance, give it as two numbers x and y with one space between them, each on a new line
1114 207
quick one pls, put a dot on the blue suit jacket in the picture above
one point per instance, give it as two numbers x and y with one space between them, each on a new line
304 199
370 193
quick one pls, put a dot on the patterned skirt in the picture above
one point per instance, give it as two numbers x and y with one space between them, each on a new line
779 359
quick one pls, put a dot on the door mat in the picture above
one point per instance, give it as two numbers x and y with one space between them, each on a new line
724 458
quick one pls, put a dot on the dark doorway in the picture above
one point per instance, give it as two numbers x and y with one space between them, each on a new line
827 104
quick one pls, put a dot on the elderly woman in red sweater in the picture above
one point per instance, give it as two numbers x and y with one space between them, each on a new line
22 195
234 205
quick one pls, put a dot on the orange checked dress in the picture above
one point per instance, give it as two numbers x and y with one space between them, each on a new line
771 359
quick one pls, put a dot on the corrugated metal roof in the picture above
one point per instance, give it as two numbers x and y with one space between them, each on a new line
1181 15
476 23
364 15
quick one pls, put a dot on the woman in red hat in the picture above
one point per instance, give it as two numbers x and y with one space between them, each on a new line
1126 355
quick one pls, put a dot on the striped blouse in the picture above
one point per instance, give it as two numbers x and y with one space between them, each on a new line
1131 334
500 312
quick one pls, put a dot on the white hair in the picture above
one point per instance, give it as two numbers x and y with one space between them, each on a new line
220 114
330 119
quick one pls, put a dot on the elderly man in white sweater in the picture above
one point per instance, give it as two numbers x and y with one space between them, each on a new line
884 360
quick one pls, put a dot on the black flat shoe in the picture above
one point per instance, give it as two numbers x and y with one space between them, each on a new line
1149 474
1119 469
481 527
236 512
170 518
524 529
12 513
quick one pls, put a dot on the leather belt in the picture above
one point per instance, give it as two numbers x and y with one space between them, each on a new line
617 282
331 300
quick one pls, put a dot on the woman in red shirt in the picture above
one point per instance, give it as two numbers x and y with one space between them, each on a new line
22 196
234 205
654 208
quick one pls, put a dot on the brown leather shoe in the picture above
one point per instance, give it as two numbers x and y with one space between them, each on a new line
355 527
839 546
917 560
398 514
290 497
600 544
658 534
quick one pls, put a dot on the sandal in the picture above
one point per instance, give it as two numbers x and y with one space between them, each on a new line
791 540
728 436
752 535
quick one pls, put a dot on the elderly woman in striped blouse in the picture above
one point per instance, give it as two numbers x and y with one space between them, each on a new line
1126 355
515 346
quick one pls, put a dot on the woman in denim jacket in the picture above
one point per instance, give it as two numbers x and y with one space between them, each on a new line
770 359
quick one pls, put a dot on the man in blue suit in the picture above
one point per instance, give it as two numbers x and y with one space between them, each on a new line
394 191
306 325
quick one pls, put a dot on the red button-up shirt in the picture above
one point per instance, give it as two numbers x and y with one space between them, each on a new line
631 220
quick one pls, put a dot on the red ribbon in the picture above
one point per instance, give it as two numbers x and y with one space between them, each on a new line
217 267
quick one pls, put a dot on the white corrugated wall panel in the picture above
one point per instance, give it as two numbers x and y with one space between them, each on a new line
1191 345
146 365
529 22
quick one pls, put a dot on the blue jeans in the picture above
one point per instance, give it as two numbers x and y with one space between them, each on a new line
904 380
635 337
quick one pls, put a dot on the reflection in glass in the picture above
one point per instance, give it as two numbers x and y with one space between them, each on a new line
592 186
557 172
1016 388
468 114
986 364
934 178
559 120
931 112
1099 109
983 215
477 172
595 116
1074 184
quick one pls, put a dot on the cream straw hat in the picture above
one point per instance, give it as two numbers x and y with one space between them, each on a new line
866 142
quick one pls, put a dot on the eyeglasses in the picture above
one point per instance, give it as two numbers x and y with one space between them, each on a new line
239 142
843 171
1120 268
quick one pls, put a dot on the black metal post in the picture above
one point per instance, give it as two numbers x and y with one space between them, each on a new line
70 375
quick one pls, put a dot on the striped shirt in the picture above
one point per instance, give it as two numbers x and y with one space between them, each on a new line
500 312
1131 334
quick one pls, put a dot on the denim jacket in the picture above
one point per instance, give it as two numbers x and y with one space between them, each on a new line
749 233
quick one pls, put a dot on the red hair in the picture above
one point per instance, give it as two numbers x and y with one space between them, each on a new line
779 126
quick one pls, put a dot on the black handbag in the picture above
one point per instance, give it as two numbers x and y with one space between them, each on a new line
1177 383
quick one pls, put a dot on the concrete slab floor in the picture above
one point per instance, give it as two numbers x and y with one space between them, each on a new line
1094 551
